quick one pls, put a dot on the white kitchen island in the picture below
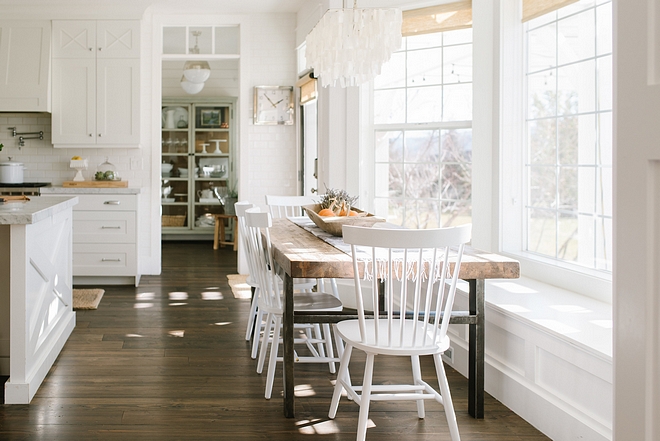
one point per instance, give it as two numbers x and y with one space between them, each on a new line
36 311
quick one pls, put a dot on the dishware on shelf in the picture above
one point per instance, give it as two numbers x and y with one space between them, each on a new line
208 201
79 165
179 114
183 172
217 150
167 200
169 119
204 148
165 191
204 194
166 168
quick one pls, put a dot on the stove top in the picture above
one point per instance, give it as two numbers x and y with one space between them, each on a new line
26 185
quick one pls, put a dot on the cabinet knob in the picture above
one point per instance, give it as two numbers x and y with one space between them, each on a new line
99 135
91 49
112 202
90 134
110 260
100 49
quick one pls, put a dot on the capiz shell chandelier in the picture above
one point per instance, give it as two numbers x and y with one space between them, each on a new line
348 47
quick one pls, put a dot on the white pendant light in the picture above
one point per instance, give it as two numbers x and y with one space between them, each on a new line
189 87
348 47
196 71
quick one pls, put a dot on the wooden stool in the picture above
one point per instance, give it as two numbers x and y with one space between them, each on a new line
220 231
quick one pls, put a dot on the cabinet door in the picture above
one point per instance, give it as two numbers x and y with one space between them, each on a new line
74 101
118 39
118 102
74 39
24 66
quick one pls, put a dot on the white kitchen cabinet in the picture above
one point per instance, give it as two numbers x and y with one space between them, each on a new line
25 66
104 238
96 39
96 94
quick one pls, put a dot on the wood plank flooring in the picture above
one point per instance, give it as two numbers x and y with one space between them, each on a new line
168 361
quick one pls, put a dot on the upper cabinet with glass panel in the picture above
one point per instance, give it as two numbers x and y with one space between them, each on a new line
184 42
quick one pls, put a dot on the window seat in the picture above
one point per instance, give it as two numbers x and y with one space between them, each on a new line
575 318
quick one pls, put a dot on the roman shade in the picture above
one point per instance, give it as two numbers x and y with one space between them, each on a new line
441 18
537 8
308 89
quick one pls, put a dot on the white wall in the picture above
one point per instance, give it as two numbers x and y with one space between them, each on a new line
636 220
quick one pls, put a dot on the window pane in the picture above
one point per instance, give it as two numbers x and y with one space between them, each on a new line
389 106
577 88
424 104
542 92
542 141
422 146
604 139
393 73
389 147
456 182
604 244
568 180
382 181
586 138
456 145
424 67
604 29
576 38
586 189
575 7
604 195
459 36
421 181
605 83
394 212
456 213
542 234
458 64
396 180
424 41
457 103
422 214
542 48
542 187
568 237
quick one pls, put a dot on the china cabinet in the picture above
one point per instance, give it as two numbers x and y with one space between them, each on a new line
197 163
96 83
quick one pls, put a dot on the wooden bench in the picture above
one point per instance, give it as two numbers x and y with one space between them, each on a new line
219 233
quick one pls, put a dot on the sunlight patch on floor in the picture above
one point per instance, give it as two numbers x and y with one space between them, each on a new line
178 304
212 295
178 295
304 390
145 296
179 334
223 323
143 305
317 427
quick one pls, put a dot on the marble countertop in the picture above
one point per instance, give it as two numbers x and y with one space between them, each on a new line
76 190
35 210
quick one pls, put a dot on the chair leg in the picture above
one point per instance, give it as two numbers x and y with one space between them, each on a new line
327 336
264 344
253 311
257 332
321 342
272 361
343 374
446 397
417 379
365 398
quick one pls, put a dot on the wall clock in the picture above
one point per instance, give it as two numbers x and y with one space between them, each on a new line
273 105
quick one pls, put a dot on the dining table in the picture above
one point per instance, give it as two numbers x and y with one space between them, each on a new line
301 254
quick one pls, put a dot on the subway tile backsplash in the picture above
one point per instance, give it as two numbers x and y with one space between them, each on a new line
43 163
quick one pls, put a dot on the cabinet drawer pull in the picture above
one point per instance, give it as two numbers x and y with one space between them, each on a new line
103 227
112 202
110 260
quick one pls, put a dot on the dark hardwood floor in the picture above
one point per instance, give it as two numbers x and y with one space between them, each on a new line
168 361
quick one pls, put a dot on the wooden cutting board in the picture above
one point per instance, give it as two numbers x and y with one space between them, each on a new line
95 184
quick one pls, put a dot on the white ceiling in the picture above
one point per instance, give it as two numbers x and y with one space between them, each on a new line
136 8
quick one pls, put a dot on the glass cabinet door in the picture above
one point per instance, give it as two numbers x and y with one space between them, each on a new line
212 159
175 168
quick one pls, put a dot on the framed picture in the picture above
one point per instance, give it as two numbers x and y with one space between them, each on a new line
210 118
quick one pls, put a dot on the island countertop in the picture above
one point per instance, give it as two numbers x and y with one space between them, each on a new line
34 210
94 190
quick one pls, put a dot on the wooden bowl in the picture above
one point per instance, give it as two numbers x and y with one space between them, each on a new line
333 224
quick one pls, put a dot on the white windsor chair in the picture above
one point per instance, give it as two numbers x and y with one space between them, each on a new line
271 301
420 285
